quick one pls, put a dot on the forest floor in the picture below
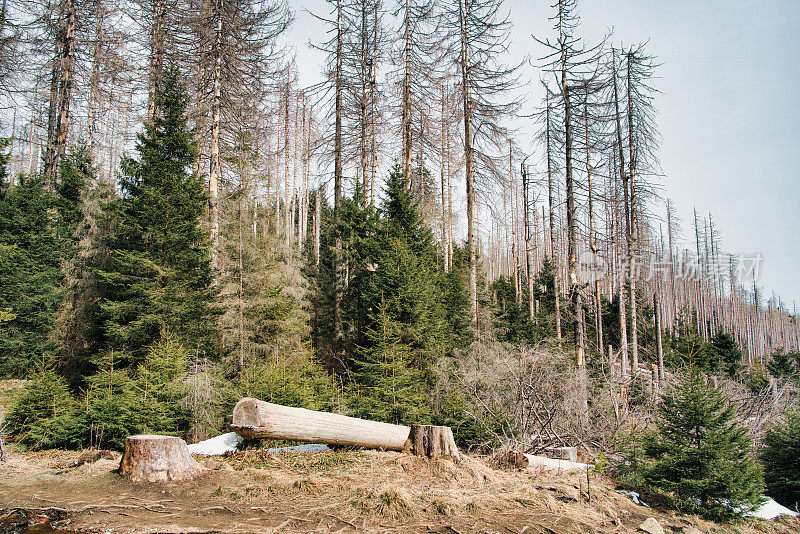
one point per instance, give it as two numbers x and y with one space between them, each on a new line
337 491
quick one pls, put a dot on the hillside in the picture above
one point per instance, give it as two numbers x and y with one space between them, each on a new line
338 491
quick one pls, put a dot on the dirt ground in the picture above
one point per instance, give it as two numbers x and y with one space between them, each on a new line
338 491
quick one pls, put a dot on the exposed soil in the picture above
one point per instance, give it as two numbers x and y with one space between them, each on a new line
337 491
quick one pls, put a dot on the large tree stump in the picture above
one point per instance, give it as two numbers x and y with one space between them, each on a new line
433 442
151 458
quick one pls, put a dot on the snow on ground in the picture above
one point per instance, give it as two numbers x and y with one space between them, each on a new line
308 447
218 446
770 510
228 443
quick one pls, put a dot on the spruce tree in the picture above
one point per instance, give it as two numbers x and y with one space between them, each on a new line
30 277
160 282
727 353
81 227
47 416
406 328
389 380
781 460
783 364
700 455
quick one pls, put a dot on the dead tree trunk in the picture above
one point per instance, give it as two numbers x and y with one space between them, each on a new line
338 292
551 204
255 419
406 119
469 161
659 345
213 175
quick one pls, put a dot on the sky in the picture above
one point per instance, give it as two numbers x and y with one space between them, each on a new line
730 130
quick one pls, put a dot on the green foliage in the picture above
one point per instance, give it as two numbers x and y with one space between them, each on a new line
629 444
161 387
511 319
81 225
689 349
453 409
111 403
783 364
159 281
726 353
781 459
405 323
544 292
30 275
700 455
46 415
401 313
756 379
388 381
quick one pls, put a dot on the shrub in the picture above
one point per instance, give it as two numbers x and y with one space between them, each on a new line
700 455
47 416
781 460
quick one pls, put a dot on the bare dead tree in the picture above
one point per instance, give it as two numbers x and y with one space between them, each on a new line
480 32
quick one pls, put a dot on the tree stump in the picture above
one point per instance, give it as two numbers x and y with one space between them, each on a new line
433 442
151 458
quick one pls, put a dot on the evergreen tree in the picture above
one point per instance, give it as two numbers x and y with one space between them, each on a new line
700 455
161 389
727 353
81 229
47 416
781 459
159 281
689 349
388 378
406 326
30 277
112 403
783 364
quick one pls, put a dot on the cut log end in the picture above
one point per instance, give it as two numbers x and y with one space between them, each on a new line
512 460
152 458
433 442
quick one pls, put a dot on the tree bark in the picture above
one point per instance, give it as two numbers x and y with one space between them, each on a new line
337 182
632 234
433 442
406 104
156 56
151 458
213 175
255 419
659 346
469 157
551 205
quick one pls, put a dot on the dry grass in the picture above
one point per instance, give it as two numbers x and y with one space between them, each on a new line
341 491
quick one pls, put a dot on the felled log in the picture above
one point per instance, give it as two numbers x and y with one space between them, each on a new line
151 458
562 453
433 442
255 419
520 460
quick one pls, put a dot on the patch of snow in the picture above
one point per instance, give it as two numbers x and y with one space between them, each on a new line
634 497
218 446
308 447
770 510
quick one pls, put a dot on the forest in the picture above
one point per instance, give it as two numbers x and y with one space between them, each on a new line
183 223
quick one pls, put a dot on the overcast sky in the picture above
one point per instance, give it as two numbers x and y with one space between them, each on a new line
729 122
